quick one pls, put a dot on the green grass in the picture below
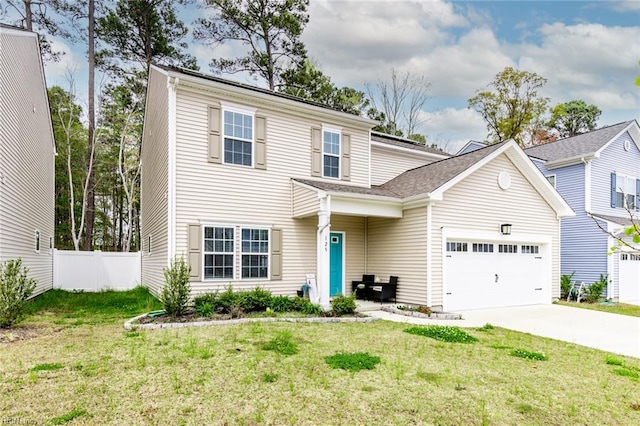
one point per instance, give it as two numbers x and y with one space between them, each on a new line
443 333
618 308
532 355
282 343
48 367
78 308
353 361
222 375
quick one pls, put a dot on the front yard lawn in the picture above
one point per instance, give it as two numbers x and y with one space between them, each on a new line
85 372
618 308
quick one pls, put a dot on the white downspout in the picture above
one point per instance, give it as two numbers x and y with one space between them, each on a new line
429 254
171 169
587 185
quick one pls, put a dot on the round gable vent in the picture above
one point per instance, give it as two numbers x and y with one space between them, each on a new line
504 180
627 145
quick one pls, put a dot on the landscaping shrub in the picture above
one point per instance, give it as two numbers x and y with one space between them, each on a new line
523 353
175 294
204 309
594 291
256 300
282 304
444 333
227 301
353 361
210 299
15 289
343 305
565 285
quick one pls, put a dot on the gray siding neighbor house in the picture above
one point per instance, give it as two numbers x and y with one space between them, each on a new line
598 174
27 151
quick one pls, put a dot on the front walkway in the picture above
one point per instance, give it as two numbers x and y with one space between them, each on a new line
600 330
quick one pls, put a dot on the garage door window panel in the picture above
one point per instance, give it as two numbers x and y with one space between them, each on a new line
482 248
507 248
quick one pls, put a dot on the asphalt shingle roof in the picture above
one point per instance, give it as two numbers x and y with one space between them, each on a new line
425 179
576 146
624 221
405 143
350 189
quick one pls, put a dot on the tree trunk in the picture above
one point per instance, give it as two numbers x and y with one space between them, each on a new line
91 196
28 15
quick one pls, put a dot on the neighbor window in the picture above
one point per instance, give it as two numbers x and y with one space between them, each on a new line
331 153
218 252
238 138
552 180
255 253
625 192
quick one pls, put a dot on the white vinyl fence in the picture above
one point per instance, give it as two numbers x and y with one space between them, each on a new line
96 270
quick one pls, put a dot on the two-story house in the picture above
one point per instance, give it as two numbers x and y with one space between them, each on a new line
598 174
254 187
27 150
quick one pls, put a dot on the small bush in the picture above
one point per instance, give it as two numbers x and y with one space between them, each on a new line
523 353
256 300
594 291
283 344
204 309
343 305
15 289
227 300
565 285
443 333
282 304
210 299
353 361
175 294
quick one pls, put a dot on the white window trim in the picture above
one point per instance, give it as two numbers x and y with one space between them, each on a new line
237 249
635 179
338 131
555 179
268 253
238 109
205 253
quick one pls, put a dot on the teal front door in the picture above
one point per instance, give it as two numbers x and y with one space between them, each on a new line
335 264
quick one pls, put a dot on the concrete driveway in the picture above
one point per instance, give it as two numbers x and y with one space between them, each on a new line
609 332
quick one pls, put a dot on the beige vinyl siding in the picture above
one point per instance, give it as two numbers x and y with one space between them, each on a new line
26 157
478 204
236 195
387 163
305 201
154 183
399 247
354 237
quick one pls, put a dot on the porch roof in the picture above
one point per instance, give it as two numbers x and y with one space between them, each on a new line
349 189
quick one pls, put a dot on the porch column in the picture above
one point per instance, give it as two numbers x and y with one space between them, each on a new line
324 231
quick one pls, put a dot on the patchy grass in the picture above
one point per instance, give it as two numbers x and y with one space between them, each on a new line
444 333
532 355
48 367
221 375
353 361
282 343
618 308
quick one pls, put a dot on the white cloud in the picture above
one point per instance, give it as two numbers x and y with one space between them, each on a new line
451 128
626 5
56 72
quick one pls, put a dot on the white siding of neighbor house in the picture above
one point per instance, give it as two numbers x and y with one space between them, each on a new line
210 193
154 183
26 157
305 201
478 204
399 247
388 163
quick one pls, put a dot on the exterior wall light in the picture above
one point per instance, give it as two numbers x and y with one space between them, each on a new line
505 229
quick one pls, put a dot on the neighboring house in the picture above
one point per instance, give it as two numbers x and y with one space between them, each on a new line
598 174
27 150
259 188
471 146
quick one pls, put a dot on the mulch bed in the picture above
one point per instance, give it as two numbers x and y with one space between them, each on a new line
192 316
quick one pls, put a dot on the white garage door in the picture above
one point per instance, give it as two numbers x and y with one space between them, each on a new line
629 285
491 274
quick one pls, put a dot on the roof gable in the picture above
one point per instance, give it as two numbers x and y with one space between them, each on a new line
471 146
586 145
400 142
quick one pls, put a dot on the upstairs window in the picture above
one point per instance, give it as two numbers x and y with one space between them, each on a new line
331 154
238 138
624 191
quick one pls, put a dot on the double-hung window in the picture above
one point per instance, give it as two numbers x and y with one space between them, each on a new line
238 137
255 253
625 188
331 153
219 256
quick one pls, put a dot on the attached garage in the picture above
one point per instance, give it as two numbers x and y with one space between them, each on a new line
629 290
491 274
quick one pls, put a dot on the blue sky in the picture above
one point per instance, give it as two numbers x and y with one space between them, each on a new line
586 50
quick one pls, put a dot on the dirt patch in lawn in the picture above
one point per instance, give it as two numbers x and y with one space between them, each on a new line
25 332
192 316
